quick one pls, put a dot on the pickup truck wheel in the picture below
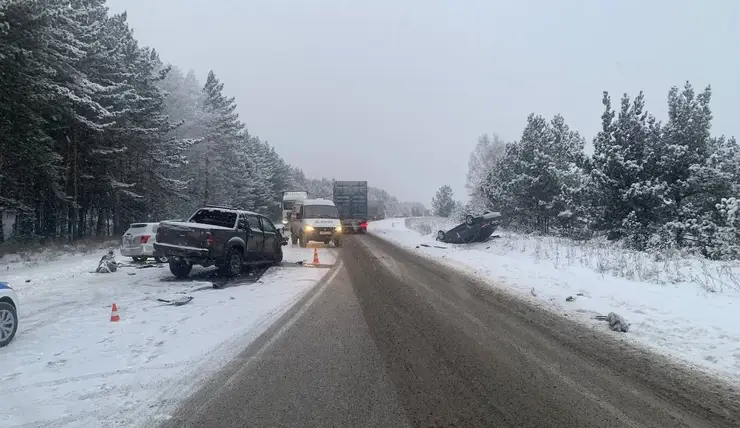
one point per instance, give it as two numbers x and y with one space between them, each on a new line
302 241
234 262
180 269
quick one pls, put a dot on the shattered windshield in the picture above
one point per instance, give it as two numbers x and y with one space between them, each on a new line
214 217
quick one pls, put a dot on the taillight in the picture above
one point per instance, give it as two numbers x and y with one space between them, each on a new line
210 241
363 225
145 238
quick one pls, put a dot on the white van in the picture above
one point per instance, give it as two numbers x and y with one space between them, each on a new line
315 220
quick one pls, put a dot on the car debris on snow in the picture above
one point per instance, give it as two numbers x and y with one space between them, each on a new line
433 246
107 263
177 301
616 322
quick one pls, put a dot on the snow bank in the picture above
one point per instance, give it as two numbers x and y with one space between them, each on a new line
680 306
51 253
70 367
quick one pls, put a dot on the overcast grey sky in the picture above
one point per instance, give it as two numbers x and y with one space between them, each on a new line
397 92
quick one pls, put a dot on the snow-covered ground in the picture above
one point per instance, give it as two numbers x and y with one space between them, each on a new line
69 366
683 307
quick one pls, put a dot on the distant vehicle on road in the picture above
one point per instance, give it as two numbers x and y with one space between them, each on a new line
138 242
375 210
8 314
315 220
289 198
473 229
225 237
350 197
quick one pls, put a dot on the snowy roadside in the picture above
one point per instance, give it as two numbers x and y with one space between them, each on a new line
53 253
682 307
69 366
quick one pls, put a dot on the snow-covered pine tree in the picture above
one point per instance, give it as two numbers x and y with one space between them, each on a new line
255 189
626 194
531 182
184 102
224 156
487 152
442 203
160 153
27 157
683 163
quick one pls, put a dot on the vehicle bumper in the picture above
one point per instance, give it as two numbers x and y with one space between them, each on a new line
181 252
138 251
318 236
353 226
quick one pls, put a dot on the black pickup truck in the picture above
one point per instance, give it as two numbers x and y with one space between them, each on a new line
225 237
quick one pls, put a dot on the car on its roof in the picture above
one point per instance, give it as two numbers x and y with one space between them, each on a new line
473 229
8 313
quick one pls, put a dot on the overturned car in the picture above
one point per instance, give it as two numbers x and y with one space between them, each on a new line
474 229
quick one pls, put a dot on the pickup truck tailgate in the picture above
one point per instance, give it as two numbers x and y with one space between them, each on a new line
181 235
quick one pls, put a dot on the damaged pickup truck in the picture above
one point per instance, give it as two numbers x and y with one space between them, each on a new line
228 238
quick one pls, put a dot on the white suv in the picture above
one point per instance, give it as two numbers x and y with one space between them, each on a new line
138 242
8 314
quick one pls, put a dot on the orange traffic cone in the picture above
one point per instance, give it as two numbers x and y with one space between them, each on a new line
114 314
315 256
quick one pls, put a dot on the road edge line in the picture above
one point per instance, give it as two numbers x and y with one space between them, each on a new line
223 378
302 309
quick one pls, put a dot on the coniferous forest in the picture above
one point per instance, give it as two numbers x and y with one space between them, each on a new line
648 184
97 131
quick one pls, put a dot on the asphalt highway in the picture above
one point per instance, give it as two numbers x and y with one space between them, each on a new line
390 339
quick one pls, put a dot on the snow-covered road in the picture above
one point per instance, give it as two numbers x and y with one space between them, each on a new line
685 308
69 366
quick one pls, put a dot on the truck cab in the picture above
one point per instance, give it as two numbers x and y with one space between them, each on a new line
315 220
289 198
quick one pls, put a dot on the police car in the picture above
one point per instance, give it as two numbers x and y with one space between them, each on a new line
8 314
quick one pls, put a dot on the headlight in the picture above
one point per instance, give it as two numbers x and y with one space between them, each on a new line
308 228
338 228
285 221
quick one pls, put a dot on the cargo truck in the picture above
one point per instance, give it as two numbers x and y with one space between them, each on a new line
289 198
350 198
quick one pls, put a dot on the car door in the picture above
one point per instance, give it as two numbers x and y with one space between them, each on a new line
272 237
245 231
256 237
